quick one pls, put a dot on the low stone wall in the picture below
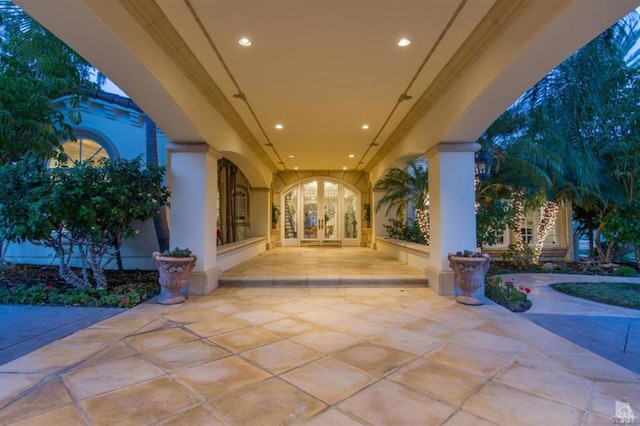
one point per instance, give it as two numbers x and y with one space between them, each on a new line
416 255
230 255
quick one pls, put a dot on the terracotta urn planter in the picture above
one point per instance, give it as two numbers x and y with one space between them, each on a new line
174 273
469 274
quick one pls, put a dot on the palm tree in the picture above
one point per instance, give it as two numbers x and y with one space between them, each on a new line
407 188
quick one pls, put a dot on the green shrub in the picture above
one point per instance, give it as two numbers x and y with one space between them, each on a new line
625 271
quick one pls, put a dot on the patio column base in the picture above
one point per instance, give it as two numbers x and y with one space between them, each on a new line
442 282
201 283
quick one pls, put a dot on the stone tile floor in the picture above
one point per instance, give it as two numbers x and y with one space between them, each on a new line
345 355
319 356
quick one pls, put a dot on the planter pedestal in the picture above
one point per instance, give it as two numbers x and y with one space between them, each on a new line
469 275
173 275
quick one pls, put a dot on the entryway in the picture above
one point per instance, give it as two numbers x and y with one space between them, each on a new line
321 212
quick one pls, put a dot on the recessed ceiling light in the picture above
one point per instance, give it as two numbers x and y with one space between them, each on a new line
244 42
295 168
365 126
279 126
404 42
344 167
291 155
351 155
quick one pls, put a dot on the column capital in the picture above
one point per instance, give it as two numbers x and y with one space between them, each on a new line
193 147
453 147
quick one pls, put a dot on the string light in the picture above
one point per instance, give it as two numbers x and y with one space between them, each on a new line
518 207
546 224
423 223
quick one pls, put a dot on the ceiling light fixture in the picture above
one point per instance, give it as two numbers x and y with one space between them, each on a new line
351 155
365 126
403 42
244 42
344 167
295 168
279 126
291 155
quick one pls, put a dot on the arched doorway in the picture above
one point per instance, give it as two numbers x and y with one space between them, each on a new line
321 212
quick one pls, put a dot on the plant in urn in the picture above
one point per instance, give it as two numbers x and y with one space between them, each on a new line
173 267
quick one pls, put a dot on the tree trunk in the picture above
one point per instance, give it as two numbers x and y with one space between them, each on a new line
160 222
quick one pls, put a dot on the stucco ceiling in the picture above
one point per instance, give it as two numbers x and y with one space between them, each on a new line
325 68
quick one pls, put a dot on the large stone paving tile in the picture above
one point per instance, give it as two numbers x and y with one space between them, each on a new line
552 383
332 417
186 355
218 377
289 327
408 341
432 328
463 358
155 340
497 345
462 418
374 359
48 396
272 402
49 359
14 384
140 404
194 417
388 403
208 328
244 339
259 316
67 416
325 340
506 406
280 356
606 394
329 379
109 376
438 381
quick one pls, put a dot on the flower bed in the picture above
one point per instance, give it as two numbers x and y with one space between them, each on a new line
506 294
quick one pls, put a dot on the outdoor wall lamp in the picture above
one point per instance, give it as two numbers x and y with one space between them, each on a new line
483 166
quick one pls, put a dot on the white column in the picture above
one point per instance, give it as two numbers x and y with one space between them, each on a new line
193 181
260 212
378 218
451 208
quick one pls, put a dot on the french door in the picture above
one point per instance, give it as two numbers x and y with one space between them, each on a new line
320 211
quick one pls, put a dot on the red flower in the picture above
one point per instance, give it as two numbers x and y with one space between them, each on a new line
125 301
49 287
130 288
527 290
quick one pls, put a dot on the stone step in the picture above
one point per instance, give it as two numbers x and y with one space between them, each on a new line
324 281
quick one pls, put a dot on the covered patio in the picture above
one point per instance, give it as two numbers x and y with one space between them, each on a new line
314 355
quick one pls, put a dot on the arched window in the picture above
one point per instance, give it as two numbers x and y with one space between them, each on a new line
83 149
241 201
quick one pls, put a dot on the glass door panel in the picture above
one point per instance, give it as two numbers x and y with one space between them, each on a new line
350 207
310 209
290 215
331 209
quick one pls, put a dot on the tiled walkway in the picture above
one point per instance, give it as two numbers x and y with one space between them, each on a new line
314 355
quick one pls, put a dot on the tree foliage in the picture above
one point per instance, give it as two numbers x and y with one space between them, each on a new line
35 68
85 210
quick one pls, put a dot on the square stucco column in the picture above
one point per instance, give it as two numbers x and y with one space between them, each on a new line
260 212
379 218
193 181
451 209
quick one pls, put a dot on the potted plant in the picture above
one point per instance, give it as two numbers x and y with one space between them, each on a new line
174 267
469 269
275 215
366 209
